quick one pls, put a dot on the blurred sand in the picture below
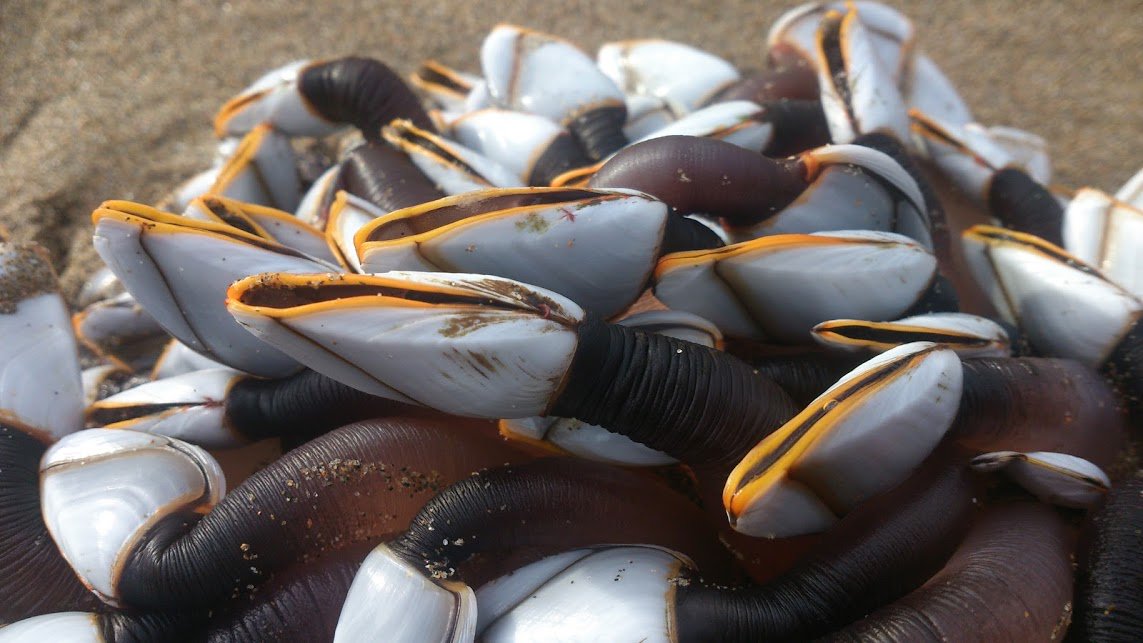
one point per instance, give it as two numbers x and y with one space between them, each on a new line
114 99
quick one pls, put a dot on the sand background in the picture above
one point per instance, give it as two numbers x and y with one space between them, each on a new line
111 99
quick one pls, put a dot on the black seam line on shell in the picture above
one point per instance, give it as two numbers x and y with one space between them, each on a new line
432 73
1021 203
856 386
431 146
692 402
207 350
263 183
830 42
885 548
363 92
1048 251
863 333
105 415
346 362
491 202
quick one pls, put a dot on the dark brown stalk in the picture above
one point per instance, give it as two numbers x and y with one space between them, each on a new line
708 176
361 483
1011 580
1109 584
34 577
561 504
363 92
882 550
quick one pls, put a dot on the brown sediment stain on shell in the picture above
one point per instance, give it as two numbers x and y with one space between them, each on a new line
461 325
25 271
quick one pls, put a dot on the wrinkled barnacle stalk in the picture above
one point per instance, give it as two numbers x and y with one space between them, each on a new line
360 483
313 98
41 401
982 592
1109 601
384 177
880 552
790 79
490 347
503 510
548 76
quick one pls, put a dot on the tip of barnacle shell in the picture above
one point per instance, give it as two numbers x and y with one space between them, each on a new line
391 599
74 627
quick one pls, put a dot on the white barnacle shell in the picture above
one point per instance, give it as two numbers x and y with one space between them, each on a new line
781 286
1058 478
40 386
273 99
860 437
73 627
124 482
263 170
178 269
475 345
596 247
968 335
541 74
1106 233
683 76
620 593
1050 294
394 601
190 407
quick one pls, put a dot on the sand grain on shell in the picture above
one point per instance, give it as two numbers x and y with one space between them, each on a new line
114 99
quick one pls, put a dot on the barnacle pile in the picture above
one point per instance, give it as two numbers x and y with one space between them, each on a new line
636 348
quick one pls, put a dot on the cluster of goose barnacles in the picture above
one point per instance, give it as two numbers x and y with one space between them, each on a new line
801 369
